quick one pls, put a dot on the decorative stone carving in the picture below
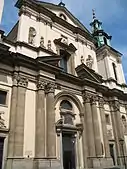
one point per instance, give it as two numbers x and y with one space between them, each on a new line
2 125
41 85
109 133
50 88
82 59
101 102
89 62
32 34
68 119
15 78
86 97
115 105
42 41
22 81
93 99
64 40
49 45
124 124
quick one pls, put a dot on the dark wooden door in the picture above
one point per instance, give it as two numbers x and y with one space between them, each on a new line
68 152
1 151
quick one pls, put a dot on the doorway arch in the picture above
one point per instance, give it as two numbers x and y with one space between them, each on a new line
67 127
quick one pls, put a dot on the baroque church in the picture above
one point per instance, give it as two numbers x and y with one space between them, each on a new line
63 95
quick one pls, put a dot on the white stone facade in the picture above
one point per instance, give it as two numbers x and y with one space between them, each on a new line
45 105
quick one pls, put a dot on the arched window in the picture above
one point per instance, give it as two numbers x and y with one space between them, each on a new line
66 105
67 113
114 69
105 41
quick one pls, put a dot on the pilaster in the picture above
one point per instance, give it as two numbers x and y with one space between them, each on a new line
89 125
104 127
12 117
22 84
97 137
115 114
51 132
40 139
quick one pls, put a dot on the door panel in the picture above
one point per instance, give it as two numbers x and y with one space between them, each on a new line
68 152
1 151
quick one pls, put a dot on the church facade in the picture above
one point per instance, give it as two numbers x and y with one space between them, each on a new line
63 95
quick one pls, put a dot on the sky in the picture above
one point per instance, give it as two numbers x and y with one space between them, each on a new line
112 13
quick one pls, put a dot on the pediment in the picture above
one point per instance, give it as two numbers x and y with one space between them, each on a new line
86 73
65 45
53 60
58 10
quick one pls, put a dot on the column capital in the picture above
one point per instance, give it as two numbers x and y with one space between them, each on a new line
101 102
115 104
86 97
19 80
22 81
50 87
93 99
41 85
15 78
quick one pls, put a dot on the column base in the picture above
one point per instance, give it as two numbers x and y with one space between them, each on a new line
100 163
33 164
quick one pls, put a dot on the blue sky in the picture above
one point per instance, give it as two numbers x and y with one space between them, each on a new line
111 12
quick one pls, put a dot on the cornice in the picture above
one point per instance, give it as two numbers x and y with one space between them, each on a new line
106 50
15 59
114 81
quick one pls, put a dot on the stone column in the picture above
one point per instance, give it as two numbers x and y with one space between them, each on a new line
12 120
20 112
84 139
104 127
114 106
97 137
89 125
40 142
51 131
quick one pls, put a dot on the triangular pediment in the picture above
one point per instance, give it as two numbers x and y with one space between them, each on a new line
52 60
85 73
64 45
59 10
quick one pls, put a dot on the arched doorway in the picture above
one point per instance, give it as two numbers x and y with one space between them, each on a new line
68 132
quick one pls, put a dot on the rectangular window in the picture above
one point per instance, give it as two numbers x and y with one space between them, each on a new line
3 96
64 60
107 118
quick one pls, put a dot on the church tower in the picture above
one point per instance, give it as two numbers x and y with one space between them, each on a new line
108 59
100 35
1 9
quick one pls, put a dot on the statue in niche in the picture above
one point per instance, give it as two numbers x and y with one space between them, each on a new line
124 123
49 45
32 34
82 59
89 62
2 125
42 41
